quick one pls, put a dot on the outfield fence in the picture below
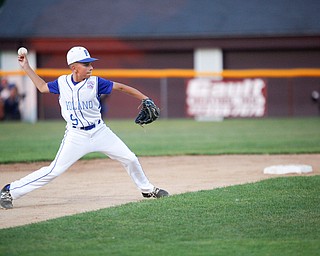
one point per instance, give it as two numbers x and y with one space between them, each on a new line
288 77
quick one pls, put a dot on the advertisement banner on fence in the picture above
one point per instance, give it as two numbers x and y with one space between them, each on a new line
235 98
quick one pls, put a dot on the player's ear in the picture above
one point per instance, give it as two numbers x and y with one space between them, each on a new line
72 66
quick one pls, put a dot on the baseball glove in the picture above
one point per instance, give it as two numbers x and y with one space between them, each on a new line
148 113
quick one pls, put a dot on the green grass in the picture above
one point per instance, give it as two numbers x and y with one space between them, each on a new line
274 217
35 142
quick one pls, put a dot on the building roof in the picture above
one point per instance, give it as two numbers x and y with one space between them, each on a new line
145 19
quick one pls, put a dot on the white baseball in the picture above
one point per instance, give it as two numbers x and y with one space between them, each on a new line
22 51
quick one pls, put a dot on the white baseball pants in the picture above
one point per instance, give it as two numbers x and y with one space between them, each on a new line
77 143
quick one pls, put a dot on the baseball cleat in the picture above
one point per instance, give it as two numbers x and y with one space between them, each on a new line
6 198
156 193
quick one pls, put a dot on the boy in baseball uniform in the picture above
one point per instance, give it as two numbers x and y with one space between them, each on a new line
79 94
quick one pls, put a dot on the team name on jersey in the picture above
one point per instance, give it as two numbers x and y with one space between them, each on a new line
71 105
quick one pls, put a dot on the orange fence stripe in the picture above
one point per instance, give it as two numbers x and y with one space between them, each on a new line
180 73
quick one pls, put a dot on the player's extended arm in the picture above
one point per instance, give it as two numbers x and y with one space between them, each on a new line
37 80
129 90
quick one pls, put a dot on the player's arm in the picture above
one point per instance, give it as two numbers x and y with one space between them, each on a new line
129 90
37 80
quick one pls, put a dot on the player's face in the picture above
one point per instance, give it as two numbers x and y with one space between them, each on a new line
83 70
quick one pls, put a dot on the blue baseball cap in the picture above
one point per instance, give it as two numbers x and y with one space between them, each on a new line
79 54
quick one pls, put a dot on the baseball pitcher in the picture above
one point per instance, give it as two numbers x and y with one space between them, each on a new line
79 94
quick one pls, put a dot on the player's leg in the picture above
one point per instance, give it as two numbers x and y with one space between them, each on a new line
111 145
71 149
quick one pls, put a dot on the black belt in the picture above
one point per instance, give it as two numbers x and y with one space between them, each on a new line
87 128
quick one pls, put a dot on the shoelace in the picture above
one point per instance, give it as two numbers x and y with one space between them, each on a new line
154 192
6 195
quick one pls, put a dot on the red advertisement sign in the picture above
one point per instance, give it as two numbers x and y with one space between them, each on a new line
234 98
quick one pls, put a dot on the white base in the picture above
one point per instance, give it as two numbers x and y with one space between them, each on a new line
284 169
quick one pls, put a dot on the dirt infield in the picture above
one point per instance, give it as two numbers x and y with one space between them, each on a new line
94 184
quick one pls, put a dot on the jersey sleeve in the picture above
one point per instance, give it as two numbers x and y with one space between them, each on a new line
104 86
54 87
